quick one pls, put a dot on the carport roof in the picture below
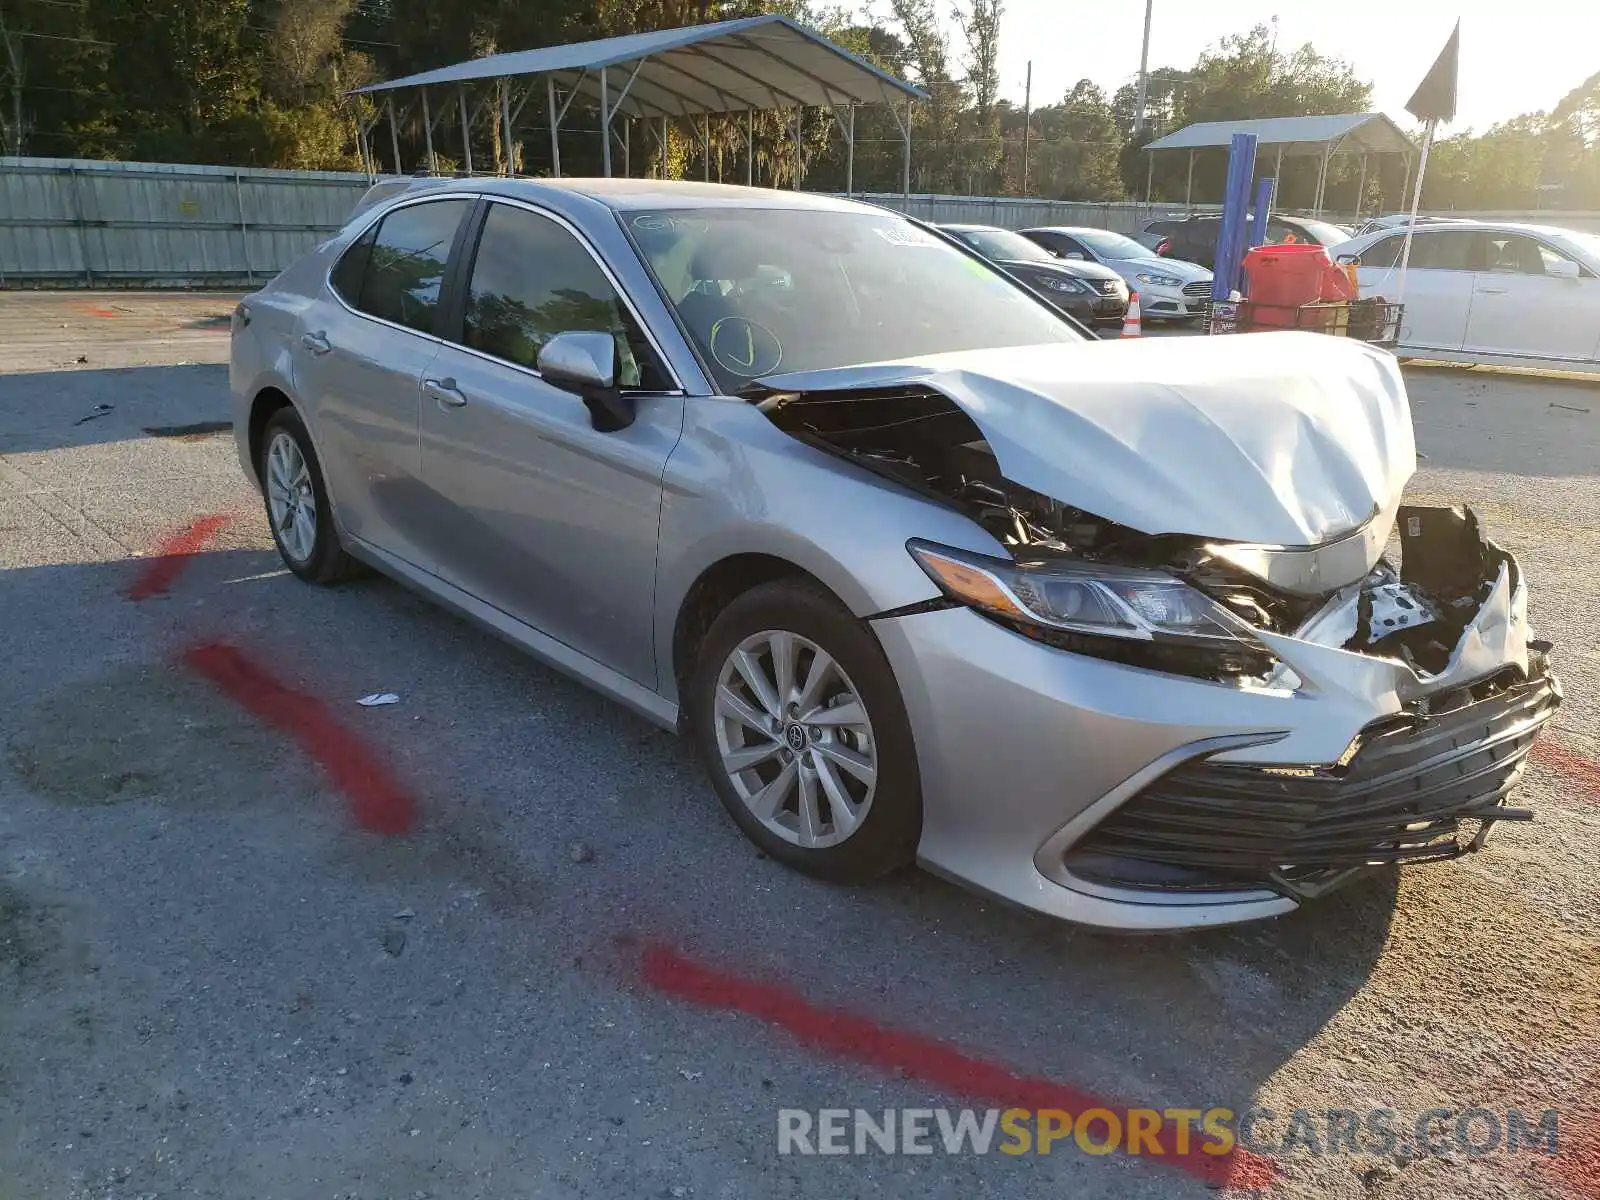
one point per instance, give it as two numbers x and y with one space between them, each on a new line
729 66
1346 133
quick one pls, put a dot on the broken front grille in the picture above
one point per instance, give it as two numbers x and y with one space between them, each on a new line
1417 788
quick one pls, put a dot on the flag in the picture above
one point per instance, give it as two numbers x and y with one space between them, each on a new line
1435 98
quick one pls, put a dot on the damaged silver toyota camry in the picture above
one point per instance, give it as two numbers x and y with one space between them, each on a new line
1137 634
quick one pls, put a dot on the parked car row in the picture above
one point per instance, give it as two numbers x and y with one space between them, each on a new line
1093 294
1168 288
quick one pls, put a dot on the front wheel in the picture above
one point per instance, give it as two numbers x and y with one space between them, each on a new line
799 722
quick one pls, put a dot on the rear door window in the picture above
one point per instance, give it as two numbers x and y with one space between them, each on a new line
406 264
351 268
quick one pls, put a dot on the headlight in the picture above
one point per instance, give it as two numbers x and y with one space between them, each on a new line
1142 617
1153 280
1058 283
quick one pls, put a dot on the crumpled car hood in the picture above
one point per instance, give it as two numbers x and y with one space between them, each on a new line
1287 439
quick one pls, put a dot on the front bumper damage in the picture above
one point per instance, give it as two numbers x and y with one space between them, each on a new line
1395 731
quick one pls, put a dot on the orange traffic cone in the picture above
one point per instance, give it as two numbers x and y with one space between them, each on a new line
1131 326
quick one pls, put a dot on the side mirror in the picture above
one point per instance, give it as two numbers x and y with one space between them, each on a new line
1561 268
1074 254
1347 260
585 364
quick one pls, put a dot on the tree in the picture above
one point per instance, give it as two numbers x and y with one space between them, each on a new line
981 146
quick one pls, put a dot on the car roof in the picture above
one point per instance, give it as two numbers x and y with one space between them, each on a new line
1468 225
1069 229
633 194
958 227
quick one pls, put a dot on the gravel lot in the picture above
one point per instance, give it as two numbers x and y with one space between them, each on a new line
212 984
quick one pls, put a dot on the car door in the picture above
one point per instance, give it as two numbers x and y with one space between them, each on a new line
535 511
359 359
1439 284
1533 300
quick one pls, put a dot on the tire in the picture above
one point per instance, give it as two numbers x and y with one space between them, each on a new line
318 558
858 830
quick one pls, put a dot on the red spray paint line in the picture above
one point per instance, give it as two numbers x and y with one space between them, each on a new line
847 1036
1583 772
377 801
158 575
1576 1165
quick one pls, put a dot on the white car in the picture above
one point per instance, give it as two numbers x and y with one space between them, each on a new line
1489 292
1169 288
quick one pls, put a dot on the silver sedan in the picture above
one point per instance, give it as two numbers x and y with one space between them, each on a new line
1103 629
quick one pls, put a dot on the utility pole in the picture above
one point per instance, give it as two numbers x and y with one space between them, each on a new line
1027 120
1144 71
17 135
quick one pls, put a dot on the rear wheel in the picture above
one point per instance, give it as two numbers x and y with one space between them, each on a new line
297 502
800 724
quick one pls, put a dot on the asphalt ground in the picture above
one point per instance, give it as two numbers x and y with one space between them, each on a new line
570 976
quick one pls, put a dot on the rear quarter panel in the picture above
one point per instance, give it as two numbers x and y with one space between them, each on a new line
261 354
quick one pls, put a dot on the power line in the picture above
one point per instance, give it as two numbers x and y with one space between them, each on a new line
50 37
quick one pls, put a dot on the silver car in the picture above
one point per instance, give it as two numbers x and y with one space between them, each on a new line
1103 629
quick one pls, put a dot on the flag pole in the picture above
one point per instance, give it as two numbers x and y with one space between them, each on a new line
1416 200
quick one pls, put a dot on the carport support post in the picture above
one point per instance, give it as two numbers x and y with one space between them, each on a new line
394 135
905 158
627 148
1361 188
1188 188
427 133
1277 175
555 140
1322 178
798 114
850 157
705 146
1149 178
505 125
605 123
466 135
749 147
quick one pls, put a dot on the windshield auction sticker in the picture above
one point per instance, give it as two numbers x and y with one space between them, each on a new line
905 235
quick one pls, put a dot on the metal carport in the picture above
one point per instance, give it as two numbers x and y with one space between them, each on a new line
1346 133
756 63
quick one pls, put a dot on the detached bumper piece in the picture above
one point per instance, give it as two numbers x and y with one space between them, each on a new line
1423 786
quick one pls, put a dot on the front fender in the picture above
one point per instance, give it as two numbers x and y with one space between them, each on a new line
736 484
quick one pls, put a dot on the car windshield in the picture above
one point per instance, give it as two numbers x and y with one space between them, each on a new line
1106 244
1004 245
1586 243
769 291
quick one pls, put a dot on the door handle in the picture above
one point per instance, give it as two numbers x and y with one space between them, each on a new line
317 342
445 392
1492 291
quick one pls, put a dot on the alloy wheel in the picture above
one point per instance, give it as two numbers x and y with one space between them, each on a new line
291 498
795 739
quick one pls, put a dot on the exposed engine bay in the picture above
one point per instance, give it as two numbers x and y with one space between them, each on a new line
923 440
